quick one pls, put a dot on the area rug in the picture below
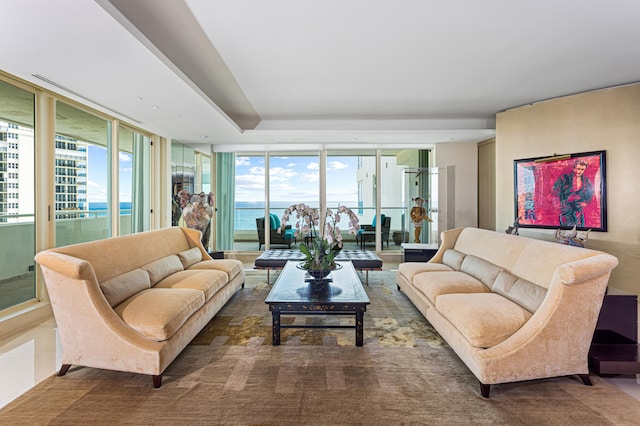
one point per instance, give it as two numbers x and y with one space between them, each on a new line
230 374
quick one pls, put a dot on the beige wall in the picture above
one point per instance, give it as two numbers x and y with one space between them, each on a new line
600 120
464 158
487 184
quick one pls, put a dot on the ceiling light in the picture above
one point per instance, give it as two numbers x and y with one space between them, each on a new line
155 107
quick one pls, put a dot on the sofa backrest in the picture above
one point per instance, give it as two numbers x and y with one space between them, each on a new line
115 256
530 259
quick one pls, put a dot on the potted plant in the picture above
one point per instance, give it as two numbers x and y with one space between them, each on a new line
326 236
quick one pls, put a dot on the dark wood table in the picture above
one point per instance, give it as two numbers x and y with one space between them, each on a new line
292 295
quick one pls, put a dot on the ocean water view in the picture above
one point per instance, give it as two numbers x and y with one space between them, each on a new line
125 208
246 212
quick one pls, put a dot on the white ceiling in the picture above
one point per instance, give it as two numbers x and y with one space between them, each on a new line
282 73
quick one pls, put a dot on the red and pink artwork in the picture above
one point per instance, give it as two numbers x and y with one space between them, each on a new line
561 193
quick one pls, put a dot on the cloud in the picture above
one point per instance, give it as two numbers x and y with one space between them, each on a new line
124 157
313 166
310 177
280 174
336 165
243 161
257 170
250 181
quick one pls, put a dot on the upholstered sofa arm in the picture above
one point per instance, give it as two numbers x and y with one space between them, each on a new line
66 265
585 269
195 237
449 239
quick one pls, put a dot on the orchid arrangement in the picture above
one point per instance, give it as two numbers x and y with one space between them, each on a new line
327 235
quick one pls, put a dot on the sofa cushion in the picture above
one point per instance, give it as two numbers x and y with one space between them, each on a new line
481 269
124 286
435 284
410 269
453 259
157 313
189 257
484 319
231 266
522 292
163 267
207 281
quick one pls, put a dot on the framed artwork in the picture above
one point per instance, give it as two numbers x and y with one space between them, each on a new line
562 191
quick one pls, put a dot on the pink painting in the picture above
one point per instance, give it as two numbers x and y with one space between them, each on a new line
561 191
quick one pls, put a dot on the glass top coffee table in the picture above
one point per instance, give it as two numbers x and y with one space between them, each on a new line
295 293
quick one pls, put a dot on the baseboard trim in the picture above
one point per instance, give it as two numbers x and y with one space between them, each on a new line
25 318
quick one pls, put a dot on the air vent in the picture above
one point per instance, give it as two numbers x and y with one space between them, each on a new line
66 89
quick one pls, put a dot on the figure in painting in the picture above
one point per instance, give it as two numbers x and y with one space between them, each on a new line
418 214
574 191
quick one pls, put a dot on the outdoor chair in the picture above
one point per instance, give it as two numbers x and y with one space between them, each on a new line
368 232
285 237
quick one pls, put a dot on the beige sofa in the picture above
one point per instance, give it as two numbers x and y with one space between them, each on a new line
512 308
133 303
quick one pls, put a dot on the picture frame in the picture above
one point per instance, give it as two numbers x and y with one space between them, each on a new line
548 194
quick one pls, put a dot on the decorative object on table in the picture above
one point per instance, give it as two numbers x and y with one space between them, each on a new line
572 237
513 230
197 211
418 214
562 191
320 253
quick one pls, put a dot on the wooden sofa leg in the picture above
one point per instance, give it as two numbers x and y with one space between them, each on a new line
157 380
585 379
63 369
484 390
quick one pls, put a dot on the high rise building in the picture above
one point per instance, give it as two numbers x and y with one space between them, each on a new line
17 183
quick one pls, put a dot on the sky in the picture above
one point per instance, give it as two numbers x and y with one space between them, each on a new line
293 179
296 179
97 175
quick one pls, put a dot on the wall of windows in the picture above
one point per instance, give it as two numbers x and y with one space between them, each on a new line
59 165
350 178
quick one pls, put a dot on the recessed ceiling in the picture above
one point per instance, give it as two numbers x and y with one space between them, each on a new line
287 73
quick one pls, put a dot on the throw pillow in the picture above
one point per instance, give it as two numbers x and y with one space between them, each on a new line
123 286
453 259
522 292
481 269
163 268
189 257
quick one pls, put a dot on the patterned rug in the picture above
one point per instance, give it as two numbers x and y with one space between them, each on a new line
230 374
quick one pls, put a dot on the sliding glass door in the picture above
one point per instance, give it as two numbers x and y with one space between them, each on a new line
17 196
82 176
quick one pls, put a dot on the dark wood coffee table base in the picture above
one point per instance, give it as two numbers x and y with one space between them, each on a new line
356 309
296 293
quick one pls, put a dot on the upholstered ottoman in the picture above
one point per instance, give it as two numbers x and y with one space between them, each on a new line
362 260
